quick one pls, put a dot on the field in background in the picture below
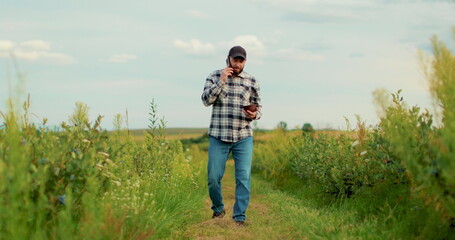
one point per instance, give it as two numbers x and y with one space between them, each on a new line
171 133
196 135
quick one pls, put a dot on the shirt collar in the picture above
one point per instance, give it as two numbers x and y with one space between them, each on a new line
242 75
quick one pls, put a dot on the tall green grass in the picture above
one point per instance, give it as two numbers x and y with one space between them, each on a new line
81 182
401 171
425 150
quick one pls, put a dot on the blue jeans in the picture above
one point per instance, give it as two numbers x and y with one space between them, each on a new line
242 152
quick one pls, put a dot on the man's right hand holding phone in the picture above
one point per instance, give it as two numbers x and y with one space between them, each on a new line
225 73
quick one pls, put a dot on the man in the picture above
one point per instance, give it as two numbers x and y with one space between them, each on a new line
229 90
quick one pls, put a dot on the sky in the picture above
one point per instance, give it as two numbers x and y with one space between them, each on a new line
316 61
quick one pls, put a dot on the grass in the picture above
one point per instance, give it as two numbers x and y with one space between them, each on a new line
85 183
310 215
290 211
289 208
171 133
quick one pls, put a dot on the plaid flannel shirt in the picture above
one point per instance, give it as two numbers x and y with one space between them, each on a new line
228 123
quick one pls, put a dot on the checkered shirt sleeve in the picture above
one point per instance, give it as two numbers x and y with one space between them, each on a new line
228 123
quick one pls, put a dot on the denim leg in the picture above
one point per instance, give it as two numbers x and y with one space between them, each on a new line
242 152
218 154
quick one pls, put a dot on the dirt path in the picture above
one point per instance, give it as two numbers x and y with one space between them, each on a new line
261 222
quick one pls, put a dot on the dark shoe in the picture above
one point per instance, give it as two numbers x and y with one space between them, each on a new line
219 215
240 223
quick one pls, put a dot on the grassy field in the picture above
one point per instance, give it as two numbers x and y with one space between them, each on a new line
288 212
171 133
283 205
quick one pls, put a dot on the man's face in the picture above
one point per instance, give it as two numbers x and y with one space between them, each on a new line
237 64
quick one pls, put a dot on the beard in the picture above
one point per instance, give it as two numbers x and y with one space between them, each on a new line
237 71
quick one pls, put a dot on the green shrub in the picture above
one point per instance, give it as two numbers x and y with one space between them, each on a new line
345 164
341 165
81 182
283 126
307 128
427 151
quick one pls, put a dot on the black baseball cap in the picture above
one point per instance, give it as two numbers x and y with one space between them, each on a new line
237 51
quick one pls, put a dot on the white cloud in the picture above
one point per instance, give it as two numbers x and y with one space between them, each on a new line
293 54
6 45
56 58
195 47
196 14
27 55
254 46
43 56
251 44
122 58
38 45
34 50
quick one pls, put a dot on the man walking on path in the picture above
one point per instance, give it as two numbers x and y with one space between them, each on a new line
230 90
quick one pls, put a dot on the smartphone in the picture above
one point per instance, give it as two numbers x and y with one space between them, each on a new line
228 63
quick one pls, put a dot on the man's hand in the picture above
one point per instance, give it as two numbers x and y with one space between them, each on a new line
249 114
225 73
